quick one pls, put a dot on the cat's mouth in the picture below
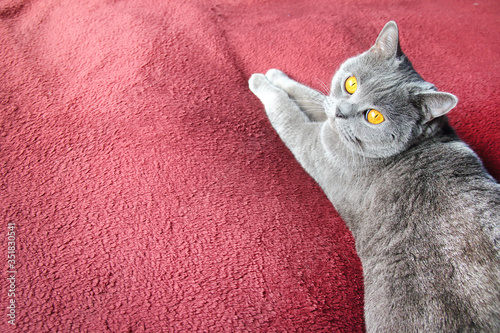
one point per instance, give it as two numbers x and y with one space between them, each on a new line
348 136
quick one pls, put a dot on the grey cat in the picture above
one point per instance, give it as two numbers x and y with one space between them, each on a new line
423 211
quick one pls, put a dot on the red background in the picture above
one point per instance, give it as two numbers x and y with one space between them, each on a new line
149 190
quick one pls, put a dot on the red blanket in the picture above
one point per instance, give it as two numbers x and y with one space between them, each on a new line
143 188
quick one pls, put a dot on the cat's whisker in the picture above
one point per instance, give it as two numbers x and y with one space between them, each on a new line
357 160
325 88
312 106
309 104
312 101
315 111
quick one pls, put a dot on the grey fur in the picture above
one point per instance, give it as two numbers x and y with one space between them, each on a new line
422 209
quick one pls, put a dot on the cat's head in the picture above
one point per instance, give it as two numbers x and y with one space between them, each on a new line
379 103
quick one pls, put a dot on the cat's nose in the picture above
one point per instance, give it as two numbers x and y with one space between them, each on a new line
339 113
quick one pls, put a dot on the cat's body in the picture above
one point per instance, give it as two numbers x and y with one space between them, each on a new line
423 211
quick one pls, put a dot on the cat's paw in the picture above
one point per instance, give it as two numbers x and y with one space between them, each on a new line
276 76
281 80
270 81
257 82
264 89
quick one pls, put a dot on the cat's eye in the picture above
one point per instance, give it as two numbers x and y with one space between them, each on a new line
351 84
374 117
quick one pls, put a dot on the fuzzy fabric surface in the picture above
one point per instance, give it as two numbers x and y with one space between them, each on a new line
143 188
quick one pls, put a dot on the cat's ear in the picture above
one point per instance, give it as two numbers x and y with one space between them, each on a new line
436 104
387 44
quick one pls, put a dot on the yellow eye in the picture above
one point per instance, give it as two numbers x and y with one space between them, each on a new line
374 117
351 84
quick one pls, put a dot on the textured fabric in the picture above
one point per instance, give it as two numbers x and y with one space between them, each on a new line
147 190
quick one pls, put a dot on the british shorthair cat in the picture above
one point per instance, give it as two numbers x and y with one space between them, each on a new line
424 213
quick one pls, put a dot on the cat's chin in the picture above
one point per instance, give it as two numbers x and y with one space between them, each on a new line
355 146
350 142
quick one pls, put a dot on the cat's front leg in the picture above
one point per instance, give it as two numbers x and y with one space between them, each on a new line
309 100
293 126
